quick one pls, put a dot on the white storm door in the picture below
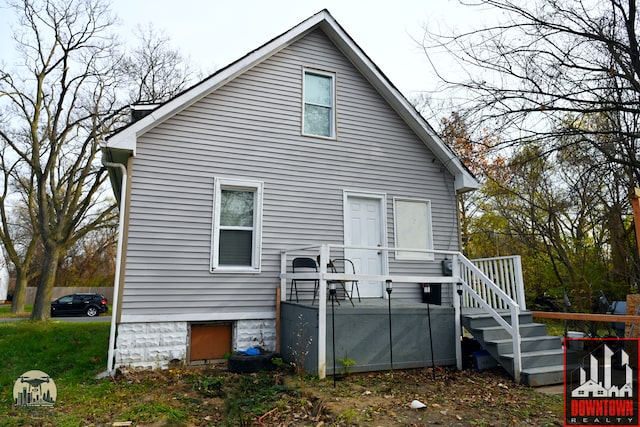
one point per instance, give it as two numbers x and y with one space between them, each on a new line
364 227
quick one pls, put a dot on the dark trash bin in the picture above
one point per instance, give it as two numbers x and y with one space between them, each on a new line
618 308
249 361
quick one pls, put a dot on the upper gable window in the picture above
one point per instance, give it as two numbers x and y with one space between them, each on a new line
319 104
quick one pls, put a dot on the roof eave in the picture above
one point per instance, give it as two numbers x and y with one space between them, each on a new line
126 139
464 180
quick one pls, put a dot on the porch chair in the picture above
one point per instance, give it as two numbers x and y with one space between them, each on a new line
303 265
347 267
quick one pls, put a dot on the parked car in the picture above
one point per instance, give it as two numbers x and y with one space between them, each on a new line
76 304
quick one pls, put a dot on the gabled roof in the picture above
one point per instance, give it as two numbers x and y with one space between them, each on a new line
125 139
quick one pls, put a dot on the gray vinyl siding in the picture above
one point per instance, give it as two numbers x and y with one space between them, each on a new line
251 129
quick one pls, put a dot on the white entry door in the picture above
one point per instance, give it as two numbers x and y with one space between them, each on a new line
364 227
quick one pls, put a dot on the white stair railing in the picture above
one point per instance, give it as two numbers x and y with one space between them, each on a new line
479 290
506 273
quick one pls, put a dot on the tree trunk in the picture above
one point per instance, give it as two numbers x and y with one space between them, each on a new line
42 306
19 292
619 245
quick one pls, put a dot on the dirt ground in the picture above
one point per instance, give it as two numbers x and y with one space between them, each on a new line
451 398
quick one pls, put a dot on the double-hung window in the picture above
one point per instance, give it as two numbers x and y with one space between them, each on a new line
237 225
319 104
413 228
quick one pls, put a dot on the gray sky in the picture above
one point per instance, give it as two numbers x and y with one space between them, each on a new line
214 33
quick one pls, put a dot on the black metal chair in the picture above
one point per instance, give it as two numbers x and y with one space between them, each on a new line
301 265
344 265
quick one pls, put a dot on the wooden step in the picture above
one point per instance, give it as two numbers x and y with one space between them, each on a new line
492 333
545 375
535 359
526 343
542 356
480 320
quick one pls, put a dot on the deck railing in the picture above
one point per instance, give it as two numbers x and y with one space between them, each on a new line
505 272
490 284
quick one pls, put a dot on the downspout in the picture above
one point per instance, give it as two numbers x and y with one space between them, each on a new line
116 280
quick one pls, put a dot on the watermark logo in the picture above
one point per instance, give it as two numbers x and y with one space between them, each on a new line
34 388
601 382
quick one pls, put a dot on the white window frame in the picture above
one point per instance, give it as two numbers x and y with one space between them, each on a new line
332 116
427 244
242 185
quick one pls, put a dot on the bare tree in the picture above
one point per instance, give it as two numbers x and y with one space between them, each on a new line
544 69
157 71
91 260
18 234
563 210
61 102
475 152
55 109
